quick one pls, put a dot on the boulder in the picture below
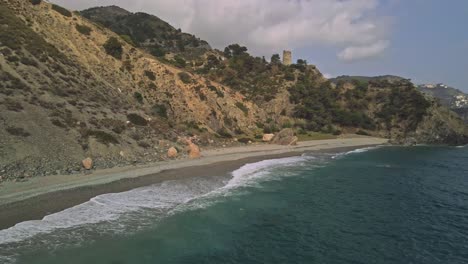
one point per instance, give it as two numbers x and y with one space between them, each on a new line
194 151
285 137
172 153
87 163
268 137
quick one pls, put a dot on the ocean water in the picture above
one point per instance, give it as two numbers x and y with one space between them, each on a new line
377 205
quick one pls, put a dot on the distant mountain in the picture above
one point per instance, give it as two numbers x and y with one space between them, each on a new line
449 96
147 31
346 78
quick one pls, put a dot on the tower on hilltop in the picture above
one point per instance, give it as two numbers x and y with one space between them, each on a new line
287 57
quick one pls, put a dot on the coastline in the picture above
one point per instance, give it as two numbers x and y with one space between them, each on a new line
39 197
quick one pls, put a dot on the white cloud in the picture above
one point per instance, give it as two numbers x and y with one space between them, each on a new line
363 52
267 26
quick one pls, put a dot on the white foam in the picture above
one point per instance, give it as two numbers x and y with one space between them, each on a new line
102 208
249 175
252 172
169 196
6 260
360 150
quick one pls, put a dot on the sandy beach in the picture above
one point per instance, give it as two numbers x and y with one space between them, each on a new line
41 196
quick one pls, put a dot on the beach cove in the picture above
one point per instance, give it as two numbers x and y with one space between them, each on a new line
39 197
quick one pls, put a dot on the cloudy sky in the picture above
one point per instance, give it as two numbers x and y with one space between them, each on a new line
424 40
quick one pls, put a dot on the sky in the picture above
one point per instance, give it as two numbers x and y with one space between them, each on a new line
423 40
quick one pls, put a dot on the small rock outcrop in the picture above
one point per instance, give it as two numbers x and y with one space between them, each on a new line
172 153
87 163
268 137
285 137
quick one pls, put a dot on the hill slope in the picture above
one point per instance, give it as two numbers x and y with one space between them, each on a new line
147 31
64 96
71 88
448 96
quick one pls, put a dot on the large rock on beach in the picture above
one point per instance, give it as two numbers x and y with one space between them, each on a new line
193 151
192 148
87 163
172 153
285 137
268 137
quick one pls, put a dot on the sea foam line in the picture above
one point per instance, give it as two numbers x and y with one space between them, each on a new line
164 196
356 151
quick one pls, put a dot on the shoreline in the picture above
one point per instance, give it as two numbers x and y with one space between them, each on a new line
42 196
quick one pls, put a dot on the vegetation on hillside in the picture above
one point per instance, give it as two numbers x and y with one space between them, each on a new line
61 10
114 48
85 30
147 32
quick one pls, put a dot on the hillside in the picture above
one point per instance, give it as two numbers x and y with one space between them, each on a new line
71 88
449 97
148 32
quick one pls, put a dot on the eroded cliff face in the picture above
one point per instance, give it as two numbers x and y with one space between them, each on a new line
63 97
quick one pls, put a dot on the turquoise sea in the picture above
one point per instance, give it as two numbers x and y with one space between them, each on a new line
378 205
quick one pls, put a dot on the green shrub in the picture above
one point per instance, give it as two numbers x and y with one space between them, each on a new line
138 97
35 2
157 51
270 129
58 123
150 75
28 61
128 39
287 124
13 58
85 30
114 48
185 77
337 132
179 62
193 125
224 133
159 110
301 131
267 130
144 144
218 92
289 76
245 140
117 126
137 120
152 86
61 10
17 131
101 136
13 106
362 132
242 107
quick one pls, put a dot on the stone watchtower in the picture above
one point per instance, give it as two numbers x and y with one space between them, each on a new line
287 57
